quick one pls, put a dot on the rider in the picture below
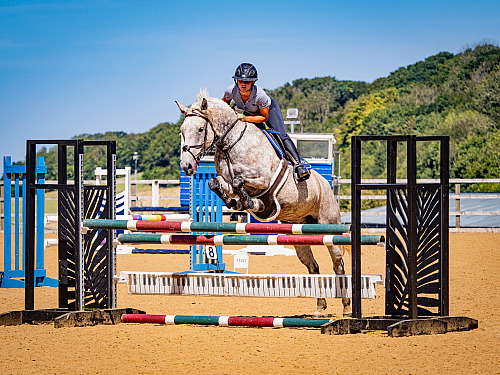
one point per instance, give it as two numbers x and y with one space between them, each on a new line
258 107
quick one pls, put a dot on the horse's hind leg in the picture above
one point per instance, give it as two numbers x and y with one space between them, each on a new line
338 267
329 213
305 255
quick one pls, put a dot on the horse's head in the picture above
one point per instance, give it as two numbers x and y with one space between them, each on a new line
200 127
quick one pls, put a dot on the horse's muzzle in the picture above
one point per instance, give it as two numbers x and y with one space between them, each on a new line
188 167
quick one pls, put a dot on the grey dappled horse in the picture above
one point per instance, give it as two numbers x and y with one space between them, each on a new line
246 166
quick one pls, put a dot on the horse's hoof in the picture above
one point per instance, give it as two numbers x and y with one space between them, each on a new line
214 184
258 206
235 204
318 314
347 311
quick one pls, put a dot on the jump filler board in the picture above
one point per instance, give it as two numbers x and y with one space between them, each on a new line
244 285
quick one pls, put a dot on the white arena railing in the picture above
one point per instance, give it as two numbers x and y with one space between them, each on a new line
458 197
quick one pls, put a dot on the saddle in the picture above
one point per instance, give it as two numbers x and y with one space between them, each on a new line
272 208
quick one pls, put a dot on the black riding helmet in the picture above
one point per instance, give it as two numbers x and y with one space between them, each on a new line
245 72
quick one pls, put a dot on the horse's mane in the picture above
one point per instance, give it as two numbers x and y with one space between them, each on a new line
202 93
217 107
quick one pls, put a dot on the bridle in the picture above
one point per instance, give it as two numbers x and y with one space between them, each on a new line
217 140
204 151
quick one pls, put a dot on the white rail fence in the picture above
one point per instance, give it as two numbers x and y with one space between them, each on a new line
457 197
155 196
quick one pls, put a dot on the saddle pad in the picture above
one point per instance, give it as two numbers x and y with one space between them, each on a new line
275 144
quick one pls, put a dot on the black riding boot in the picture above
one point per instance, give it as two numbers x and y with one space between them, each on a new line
300 170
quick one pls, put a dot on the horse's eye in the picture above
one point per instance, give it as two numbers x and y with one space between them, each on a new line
200 130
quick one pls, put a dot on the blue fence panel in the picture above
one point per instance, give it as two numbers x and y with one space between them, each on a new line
324 170
185 183
205 207
14 274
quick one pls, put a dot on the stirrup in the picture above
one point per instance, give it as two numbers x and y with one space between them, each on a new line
301 172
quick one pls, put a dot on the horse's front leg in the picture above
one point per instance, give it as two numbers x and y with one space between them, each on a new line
247 203
218 188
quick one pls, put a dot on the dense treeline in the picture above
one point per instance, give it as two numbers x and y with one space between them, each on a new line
158 150
446 94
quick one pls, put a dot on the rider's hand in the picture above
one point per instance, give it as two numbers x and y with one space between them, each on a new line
241 116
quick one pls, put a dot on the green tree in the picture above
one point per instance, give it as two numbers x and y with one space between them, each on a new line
478 157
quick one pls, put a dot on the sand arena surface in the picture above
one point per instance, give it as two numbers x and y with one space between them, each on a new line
159 349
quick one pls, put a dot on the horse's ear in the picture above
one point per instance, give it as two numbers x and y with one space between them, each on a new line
204 104
183 109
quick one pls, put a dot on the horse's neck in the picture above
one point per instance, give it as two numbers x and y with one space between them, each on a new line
245 141
222 122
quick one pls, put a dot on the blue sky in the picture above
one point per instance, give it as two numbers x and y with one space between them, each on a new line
73 67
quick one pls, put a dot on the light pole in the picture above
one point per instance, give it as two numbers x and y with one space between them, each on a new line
292 113
135 158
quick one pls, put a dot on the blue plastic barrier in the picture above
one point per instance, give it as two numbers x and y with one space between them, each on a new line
205 206
13 275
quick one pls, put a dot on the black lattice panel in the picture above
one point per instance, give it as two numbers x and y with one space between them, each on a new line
96 245
428 260
396 254
429 246
67 246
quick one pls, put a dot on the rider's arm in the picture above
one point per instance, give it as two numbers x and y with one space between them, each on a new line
264 115
228 94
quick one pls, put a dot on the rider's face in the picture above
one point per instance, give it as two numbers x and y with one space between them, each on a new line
244 86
